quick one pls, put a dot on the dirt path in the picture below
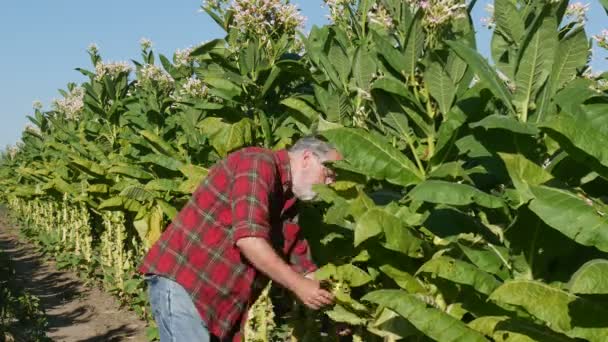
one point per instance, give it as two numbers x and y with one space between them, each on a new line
74 312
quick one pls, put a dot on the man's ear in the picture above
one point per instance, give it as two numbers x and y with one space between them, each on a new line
306 157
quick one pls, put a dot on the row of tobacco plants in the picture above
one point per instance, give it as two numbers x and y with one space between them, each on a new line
471 203
21 317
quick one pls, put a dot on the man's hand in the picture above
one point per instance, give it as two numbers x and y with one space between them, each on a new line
261 254
312 295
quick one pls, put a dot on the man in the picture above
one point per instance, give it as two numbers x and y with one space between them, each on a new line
238 225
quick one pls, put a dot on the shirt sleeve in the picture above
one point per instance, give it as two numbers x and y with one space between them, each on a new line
250 197
297 249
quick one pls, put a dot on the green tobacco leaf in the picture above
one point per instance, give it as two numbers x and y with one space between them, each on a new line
158 144
508 20
195 175
432 322
505 122
339 314
582 131
375 157
162 160
370 224
208 47
414 44
227 137
87 166
163 185
507 329
524 173
460 272
387 51
441 192
301 106
353 275
405 280
591 278
441 86
562 311
572 216
485 72
490 258
605 4
131 171
364 67
573 54
535 65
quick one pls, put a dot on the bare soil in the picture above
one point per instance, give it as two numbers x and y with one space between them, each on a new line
74 312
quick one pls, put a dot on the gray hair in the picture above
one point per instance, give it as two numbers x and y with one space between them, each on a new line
315 145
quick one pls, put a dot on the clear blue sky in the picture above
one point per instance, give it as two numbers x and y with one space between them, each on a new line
43 41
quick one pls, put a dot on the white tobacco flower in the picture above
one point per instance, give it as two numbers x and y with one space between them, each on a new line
379 15
145 43
72 104
111 69
12 151
577 12
265 17
440 12
602 39
195 88
93 49
37 105
150 73
337 9
33 129
182 57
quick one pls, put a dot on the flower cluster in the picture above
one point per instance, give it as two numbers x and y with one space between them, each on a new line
111 69
32 129
93 49
12 151
577 12
380 16
489 21
37 105
440 12
145 43
265 18
337 9
182 57
72 104
193 88
602 39
151 74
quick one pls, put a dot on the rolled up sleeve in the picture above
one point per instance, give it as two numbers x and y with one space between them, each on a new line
250 197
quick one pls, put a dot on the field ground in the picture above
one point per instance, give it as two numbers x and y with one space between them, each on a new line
75 312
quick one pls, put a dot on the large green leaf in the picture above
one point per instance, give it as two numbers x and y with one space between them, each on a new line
432 322
579 134
441 192
486 73
573 52
560 310
591 278
226 137
571 215
414 44
535 65
398 237
364 67
159 144
508 20
460 272
508 123
507 329
375 157
523 173
441 86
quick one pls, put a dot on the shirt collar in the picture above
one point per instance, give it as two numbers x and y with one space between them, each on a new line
282 158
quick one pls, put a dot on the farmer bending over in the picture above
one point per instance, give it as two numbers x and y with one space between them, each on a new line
238 222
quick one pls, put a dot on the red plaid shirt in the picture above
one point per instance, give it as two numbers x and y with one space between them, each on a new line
247 194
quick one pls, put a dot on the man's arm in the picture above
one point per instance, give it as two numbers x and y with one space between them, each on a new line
263 257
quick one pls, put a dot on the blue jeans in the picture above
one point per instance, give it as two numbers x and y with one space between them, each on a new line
174 312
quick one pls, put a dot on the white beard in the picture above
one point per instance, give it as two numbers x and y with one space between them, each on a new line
304 194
